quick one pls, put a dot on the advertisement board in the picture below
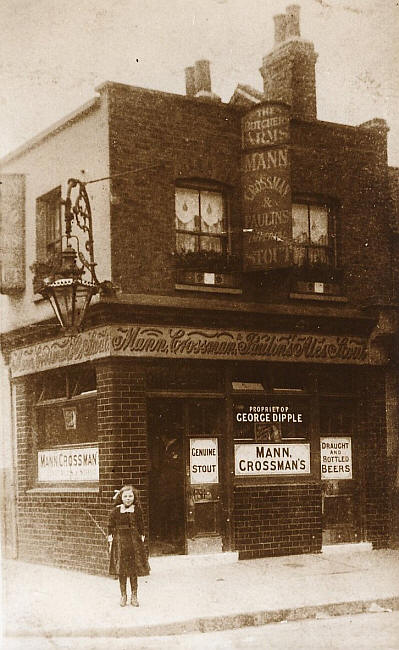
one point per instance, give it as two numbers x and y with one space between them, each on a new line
68 464
204 460
271 459
336 458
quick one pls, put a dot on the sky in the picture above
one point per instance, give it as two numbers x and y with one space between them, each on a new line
53 53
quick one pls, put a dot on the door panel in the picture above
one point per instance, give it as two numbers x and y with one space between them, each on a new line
203 482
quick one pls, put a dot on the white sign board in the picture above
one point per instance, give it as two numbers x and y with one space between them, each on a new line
336 458
204 460
271 460
71 464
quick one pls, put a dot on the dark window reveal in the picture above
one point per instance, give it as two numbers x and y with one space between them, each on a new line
49 232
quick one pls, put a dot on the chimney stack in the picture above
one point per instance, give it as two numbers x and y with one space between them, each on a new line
202 75
190 81
280 27
288 71
198 81
293 27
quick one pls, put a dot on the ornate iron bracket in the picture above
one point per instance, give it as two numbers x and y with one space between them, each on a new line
80 212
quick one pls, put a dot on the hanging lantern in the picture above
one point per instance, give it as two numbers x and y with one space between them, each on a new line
63 286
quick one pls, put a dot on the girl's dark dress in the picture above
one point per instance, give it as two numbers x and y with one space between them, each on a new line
128 555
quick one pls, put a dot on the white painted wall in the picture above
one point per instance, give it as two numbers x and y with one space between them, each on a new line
80 144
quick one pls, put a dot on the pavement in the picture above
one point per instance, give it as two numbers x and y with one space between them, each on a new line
199 594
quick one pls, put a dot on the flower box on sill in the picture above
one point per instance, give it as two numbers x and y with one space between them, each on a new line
321 288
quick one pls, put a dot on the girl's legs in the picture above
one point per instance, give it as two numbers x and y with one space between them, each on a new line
122 585
133 585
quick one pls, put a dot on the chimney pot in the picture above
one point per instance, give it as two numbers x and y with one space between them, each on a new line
190 81
202 76
293 28
280 26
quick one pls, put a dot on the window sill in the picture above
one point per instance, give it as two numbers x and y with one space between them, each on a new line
321 297
207 288
63 489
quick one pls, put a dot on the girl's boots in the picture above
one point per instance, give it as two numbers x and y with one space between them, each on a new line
133 584
122 585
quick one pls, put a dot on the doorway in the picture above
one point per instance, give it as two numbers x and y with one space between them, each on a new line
341 483
166 477
185 495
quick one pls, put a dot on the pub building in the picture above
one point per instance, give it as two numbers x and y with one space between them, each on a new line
239 366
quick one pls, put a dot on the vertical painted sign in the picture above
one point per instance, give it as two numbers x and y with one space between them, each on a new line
12 232
266 187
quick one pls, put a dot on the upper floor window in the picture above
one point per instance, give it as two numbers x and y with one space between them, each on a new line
313 234
200 221
49 231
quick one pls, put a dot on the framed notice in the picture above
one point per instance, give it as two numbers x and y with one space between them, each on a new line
204 460
70 417
336 458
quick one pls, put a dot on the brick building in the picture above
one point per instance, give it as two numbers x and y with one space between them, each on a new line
244 374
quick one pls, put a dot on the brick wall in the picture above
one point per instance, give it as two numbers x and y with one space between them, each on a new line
348 166
187 139
62 527
195 139
372 428
122 415
277 520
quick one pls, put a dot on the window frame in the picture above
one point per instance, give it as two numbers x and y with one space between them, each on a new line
331 247
48 206
224 237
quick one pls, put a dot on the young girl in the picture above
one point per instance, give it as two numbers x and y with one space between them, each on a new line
126 538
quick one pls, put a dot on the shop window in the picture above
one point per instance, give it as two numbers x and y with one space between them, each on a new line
336 380
204 418
53 386
313 234
49 231
271 420
293 379
67 407
200 221
67 424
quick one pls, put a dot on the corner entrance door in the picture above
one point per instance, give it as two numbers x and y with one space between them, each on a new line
185 496
166 477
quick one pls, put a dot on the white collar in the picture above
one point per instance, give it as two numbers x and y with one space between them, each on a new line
129 509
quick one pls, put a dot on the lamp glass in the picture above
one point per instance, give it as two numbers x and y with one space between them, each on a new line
70 299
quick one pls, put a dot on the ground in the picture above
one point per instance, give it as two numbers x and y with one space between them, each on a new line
376 631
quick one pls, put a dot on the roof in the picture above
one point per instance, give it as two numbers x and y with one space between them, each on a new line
51 130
